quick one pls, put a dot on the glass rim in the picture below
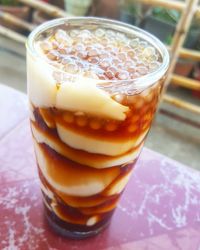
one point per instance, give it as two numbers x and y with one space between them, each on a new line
142 81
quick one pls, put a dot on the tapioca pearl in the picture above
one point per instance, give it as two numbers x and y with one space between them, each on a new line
81 121
114 43
121 43
122 75
134 118
79 39
148 95
73 33
136 59
145 62
131 99
147 116
154 65
121 37
96 69
46 46
104 55
92 221
149 51
109 74
93 60
62 51
139 63
72 57
55 44
142 45
112 69
122 56
115 61
131 54
105 52
95 124
102 77
120 67
105 63
115 50
71 50
99 33
53 55
138 104
153 58
79 47
90 74
134 42
58 63
111 49
127 48
131 70
141 58
93 52
88 41
149 98
104 41
110 33
68 117
88 47
134 75
141 70
59 35
118 98
79 113
111 126
66 40
66 60
98 46
132 128
72 68
129 63
145 109
137 51
82 54
85 33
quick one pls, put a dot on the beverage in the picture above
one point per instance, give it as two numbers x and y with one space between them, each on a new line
93 86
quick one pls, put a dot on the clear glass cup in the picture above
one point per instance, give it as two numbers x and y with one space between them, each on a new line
85 159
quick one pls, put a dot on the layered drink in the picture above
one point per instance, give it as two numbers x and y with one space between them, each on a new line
93 87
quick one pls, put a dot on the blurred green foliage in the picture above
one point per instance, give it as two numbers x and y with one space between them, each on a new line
9 2
169 16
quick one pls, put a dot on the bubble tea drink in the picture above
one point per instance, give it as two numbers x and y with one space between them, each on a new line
93 87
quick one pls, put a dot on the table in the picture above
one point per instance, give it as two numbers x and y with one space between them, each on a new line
13 109
159 210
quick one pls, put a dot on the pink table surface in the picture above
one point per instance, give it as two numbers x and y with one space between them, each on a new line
13 108
159 210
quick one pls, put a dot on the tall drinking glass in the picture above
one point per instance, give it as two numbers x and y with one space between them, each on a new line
93 87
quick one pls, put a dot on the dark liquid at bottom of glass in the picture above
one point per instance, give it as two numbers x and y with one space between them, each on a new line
75 231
